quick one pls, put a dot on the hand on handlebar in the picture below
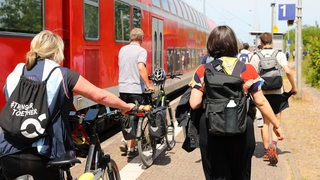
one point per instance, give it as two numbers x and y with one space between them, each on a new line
150 88
125 111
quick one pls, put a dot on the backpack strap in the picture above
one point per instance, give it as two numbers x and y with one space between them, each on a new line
275 53
260 55
215 65
48 74
237 70
23 70
51 73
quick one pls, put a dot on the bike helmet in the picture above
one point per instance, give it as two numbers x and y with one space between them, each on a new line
159 76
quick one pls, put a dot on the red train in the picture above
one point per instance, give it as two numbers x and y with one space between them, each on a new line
95 30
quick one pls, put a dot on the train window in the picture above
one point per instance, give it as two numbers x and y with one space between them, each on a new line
91 19
156 3
195 19
170 60
21 16
184 59
122 21
179 9
203 21
172 7
136 17
183 10
198 18
188 12
165 5
191 58
177 61
192 15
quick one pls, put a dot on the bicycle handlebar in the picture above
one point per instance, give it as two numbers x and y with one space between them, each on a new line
172 76
113 113
139 108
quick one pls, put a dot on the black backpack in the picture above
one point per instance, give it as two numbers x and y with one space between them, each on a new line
270 71
221 90
25 116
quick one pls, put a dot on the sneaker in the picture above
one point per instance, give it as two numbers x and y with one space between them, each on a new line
123 147
273 156
132 154
265 157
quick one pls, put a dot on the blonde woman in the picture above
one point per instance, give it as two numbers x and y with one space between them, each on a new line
46 53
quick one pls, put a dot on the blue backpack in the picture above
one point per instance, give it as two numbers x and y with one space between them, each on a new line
244 58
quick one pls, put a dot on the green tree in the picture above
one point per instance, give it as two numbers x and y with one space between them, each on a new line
311 44
21 16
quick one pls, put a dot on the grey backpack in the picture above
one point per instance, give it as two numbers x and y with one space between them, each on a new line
270 70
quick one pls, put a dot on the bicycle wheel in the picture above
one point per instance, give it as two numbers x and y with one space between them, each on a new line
169 137
112 171
146 146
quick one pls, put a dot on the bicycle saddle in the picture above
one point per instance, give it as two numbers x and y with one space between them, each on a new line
64 162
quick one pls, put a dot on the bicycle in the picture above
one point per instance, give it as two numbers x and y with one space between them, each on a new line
148 114
98 164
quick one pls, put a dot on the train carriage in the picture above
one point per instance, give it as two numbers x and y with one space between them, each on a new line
95 30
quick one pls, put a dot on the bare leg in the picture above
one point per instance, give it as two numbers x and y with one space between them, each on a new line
274 137
265 133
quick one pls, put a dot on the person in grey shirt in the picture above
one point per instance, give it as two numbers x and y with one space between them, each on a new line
133 78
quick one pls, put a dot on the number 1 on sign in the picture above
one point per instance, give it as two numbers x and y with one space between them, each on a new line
283 7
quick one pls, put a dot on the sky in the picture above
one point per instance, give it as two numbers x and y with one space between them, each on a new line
245 16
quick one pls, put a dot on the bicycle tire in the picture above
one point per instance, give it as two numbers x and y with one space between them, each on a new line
169 137
112 173
146 146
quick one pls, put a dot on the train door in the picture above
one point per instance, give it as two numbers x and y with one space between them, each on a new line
157 43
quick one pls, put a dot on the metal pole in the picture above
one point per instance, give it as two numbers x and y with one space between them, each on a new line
299 48
296 50
272 17
204 7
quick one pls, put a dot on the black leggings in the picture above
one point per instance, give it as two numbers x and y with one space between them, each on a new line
227 158
27 162
131 98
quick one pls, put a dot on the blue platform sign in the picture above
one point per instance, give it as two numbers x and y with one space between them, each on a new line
287 11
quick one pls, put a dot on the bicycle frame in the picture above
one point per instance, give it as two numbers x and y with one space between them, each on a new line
147 144
97 162
162 100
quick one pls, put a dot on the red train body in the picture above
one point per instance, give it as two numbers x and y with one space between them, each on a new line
95 30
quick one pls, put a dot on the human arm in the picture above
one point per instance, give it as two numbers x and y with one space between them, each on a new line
196 84
290 76
267 112
195 98
90 91
252 85
144 75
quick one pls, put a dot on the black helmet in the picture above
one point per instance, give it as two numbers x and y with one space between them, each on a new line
159 76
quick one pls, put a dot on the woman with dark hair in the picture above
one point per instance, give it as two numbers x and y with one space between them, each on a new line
229 157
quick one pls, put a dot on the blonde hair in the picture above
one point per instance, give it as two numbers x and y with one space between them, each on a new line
136 34
45 45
